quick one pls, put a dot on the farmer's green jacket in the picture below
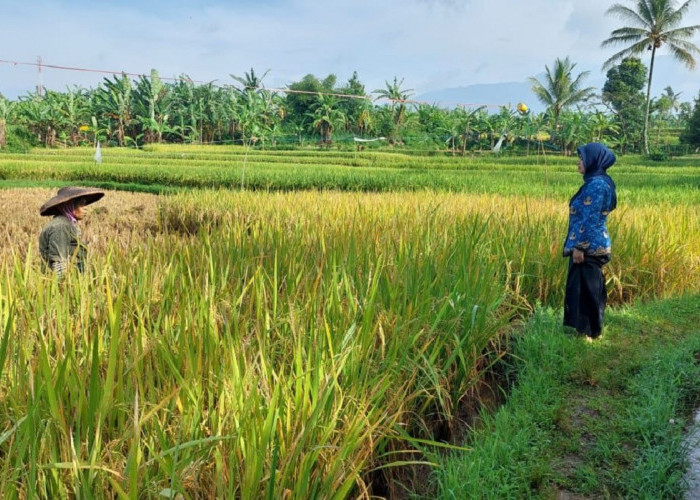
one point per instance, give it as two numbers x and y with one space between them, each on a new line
59 245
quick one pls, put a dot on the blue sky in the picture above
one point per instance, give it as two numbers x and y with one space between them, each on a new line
431 44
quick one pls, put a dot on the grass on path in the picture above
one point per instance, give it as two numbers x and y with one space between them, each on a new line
590 420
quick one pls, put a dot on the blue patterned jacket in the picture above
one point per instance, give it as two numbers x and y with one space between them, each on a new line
590 206
588 213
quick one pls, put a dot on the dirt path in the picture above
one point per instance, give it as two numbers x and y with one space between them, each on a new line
693 474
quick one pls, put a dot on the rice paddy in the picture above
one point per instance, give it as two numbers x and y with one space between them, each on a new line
296 338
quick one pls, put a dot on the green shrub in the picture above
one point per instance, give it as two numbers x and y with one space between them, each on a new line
659 156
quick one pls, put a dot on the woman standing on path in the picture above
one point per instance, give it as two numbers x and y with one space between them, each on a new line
59 241
588 242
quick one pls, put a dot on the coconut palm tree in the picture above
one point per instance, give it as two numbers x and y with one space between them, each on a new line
653 23
560 89
395 94
673 99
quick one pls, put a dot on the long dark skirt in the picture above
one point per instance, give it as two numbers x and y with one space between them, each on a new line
584 302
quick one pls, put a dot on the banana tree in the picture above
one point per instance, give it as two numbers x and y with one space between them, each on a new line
499 126
186 109
251 121
42 116
6 108
250 81
574 130
273 113
465 122
601 125
102 130
113 101
326 115
452 129
74 107
229 109
298 129
152 104
216 112
365 118
537 131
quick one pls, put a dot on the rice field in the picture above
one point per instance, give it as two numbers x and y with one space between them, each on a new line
166 168
283 342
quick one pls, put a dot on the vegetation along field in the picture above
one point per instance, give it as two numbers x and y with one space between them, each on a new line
302 337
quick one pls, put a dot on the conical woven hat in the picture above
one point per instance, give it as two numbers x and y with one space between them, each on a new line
53 206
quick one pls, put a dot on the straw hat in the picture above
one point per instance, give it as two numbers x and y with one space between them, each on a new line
52 207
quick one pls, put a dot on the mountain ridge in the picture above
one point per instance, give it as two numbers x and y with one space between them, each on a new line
491 95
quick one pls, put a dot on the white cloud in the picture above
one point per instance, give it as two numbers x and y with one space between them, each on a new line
432 44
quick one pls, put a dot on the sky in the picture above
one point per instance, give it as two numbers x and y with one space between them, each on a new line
430 44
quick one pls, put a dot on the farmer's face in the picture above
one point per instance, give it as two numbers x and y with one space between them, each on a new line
79 211
581 167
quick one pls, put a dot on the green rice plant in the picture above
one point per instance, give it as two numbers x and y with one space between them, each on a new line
211 167
275 356
248 344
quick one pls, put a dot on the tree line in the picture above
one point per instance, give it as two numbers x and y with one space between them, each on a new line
126 112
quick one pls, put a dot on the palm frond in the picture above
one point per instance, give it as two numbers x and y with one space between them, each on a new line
681 33
577 81
649 10
633 50
541 92
682 55
623 40
578 96
679 13
691 48
629 31
684 8
625 13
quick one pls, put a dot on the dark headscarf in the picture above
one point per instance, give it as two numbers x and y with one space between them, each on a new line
597 158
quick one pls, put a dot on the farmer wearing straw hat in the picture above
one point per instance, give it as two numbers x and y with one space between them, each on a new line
59 241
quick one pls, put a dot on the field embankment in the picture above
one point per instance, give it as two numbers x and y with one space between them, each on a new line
601 420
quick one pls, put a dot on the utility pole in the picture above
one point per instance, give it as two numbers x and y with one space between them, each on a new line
40 88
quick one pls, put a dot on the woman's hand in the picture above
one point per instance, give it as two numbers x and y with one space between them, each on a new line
578 256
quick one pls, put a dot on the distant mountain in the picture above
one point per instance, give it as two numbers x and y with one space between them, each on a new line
667 72
492 95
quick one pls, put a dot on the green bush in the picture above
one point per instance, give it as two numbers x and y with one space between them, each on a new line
659 156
